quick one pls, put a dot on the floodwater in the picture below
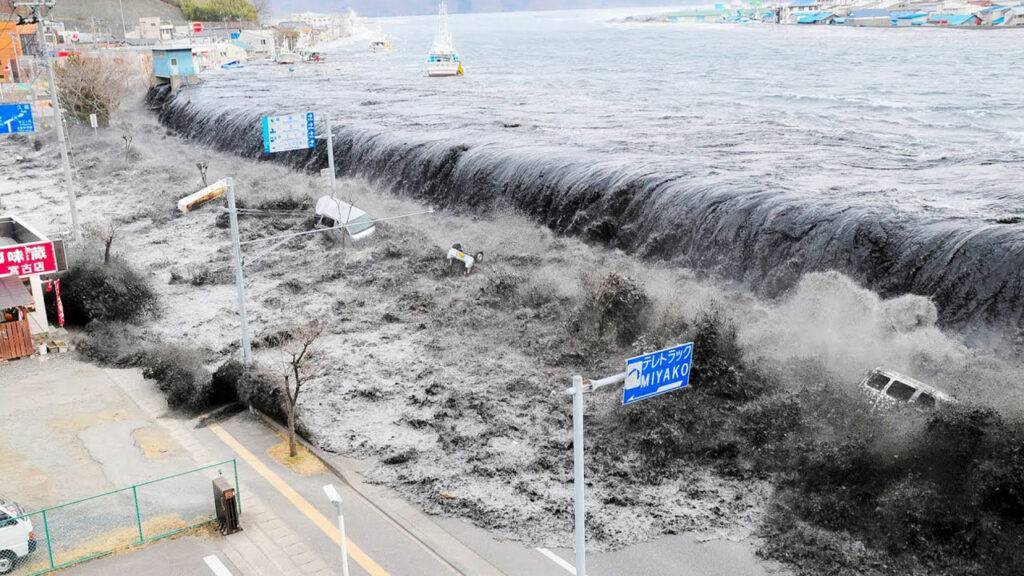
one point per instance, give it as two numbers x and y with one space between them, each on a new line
756 152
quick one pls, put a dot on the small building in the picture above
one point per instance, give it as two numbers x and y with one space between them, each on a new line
954 20
155 30
872 17
819 18
25 256
796 9
993 15
207 56
258 44
174 66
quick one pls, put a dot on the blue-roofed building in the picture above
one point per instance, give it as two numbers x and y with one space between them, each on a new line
174 66
815 18
796 9
873 17
909 18
991 14
954 20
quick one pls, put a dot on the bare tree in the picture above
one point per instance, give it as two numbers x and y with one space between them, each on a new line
302 364
96 85
202 165
128 135
106 234
262 9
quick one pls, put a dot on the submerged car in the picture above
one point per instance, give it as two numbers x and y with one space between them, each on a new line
17 536
892 387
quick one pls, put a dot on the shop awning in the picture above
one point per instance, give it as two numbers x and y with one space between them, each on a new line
14 294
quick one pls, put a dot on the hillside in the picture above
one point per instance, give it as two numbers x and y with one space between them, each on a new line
78 13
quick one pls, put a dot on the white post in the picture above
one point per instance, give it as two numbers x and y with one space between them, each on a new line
330 150
335 497
236 253
59 119
344 541
577 475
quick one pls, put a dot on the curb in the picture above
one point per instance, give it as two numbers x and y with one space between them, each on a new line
417 525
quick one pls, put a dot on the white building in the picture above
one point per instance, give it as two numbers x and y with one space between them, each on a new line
258 44
207 56
153 29
315 20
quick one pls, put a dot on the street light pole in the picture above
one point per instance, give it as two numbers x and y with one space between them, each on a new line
236 254
37 7
335 498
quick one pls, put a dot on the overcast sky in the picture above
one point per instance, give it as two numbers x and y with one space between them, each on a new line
405 7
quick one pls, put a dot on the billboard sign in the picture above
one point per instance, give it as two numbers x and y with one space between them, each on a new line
289 132
28 259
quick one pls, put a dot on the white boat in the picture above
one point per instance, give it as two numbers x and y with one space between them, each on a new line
443 59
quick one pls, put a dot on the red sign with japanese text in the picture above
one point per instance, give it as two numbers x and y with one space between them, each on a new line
28 259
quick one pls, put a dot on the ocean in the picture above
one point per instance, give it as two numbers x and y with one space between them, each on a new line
753 152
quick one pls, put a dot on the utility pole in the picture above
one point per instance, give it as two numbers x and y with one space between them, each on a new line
124 27
236 253
37 12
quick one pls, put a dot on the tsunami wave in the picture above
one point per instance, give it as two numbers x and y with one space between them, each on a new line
765 238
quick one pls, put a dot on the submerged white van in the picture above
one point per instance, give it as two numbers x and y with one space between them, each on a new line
17 537
332 212
894 388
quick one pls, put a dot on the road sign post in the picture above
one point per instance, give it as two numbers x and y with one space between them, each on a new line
646 376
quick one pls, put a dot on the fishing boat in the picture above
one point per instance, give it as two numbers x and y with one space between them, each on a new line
443 59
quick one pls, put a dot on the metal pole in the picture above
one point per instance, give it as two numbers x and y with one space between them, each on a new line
124 27
577 475
344 541
236 253
58 117
330 150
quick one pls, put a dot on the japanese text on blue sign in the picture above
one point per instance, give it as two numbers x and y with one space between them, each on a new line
16 118
657 373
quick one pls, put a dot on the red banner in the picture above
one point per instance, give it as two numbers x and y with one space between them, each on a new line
28 259
60 305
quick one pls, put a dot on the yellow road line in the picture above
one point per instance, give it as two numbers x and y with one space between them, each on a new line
327 526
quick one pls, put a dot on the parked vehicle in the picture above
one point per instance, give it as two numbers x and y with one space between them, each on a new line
17 537
892 387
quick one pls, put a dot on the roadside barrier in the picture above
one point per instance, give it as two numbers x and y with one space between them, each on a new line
100 525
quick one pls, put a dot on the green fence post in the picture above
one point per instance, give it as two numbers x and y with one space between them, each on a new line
138 514
238 489
49 546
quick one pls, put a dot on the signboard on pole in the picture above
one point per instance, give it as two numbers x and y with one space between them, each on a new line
28 259
16 118
290 132
657 373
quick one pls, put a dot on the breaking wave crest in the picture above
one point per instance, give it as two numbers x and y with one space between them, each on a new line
763 237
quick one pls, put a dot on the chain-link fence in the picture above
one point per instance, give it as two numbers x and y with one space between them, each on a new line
38 542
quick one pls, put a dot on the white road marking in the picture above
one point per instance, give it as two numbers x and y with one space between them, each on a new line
557 560
218 567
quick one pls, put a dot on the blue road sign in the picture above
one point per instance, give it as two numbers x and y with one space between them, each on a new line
657 373
16 118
